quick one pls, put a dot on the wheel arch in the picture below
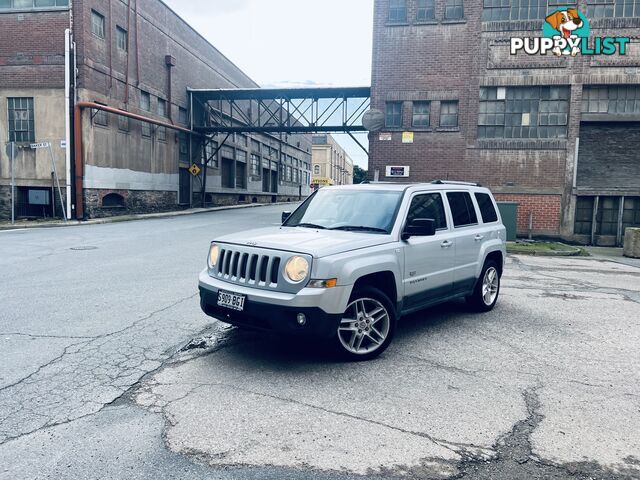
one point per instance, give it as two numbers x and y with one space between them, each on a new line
384 280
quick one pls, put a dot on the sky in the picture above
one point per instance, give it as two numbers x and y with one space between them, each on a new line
288 43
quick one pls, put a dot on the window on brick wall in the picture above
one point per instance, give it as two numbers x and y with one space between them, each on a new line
97 24
631 213
162 107
21 121
32 4
255 165
393 117
607 216
183 147
496 10
397 11
523 112
183 118
613 99
453 10
449 114
583 216
613 8
426 10
211 154
123 123
122 39
421 114
100 117
145 101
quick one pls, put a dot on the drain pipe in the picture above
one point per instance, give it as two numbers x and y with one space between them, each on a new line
67 117
77 141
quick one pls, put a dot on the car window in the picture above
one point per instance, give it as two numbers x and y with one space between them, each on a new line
487 210
428 206
462 209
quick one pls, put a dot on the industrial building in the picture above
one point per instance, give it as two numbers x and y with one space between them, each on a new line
123 141
331 164
558 134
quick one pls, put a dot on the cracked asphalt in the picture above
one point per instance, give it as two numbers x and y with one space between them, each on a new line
108 369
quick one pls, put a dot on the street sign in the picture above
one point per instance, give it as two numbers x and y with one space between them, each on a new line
35 146
63 144
195 170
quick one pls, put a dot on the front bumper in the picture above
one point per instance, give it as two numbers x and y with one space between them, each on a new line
276 311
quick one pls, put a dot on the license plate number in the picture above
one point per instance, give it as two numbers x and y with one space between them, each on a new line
230 300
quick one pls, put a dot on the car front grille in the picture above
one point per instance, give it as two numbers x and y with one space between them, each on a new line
249 268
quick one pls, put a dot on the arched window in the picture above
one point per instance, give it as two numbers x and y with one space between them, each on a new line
316 169
113 200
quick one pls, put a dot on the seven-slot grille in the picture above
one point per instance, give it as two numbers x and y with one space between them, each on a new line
248 268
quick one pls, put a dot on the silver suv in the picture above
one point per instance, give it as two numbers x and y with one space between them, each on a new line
353 259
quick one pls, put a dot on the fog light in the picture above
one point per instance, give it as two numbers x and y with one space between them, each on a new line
302 319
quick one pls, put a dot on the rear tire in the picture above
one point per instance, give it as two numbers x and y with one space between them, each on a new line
485 294
367 325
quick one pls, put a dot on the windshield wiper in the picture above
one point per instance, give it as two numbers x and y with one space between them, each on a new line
310 225
359 228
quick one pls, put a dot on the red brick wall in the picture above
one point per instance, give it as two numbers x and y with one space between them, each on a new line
545 210
32 49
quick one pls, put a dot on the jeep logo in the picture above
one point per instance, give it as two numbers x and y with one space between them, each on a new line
252 244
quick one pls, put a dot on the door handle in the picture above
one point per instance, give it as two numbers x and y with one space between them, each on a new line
446 244
478 237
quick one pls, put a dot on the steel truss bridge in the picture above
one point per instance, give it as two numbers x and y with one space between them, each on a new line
279 110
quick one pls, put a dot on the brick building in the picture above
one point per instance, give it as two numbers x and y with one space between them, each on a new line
331 164
140 57
558 135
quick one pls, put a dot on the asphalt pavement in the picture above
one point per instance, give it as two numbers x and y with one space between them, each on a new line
110 370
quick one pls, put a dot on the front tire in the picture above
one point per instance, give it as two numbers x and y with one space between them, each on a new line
485 294
367 325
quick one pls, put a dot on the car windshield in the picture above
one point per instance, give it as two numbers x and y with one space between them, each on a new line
357 210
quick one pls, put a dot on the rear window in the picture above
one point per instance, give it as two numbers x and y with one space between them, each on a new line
462 209
487 210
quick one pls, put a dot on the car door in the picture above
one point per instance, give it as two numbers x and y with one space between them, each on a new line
429 261
488 214
467 237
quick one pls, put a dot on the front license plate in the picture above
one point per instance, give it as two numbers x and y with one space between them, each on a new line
230 300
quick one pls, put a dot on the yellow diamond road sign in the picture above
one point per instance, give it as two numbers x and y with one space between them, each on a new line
195 170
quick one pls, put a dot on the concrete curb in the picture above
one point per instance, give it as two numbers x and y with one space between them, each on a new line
130 218
573 252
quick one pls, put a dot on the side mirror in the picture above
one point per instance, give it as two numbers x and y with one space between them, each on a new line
285 215
420 227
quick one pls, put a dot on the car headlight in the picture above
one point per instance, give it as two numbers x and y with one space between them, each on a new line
214 253
296 269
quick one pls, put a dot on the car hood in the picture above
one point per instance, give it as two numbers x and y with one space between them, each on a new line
319 243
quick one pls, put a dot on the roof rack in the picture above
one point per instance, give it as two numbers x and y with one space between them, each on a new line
451 182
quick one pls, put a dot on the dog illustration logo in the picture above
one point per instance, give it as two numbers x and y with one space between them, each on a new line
570 24
565 31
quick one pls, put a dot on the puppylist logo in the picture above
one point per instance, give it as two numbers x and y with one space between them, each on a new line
566 32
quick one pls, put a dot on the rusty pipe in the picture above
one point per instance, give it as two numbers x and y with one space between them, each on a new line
77 141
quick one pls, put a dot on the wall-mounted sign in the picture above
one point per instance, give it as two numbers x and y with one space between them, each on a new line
397 171
385 137
407 137
39 145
